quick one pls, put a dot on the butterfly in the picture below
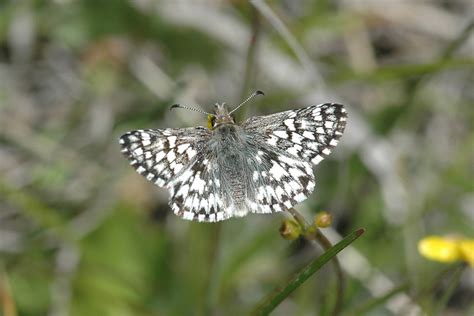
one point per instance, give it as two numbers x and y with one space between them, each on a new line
263 165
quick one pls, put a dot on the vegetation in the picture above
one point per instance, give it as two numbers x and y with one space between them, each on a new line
82 234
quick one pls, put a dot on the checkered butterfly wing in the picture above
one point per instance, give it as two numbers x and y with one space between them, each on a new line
162 155
186 162
232 180
290 142
309 133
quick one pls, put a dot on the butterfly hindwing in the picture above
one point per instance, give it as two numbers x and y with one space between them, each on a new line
197 193
267 180
279 180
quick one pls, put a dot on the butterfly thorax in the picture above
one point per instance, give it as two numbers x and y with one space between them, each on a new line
228 147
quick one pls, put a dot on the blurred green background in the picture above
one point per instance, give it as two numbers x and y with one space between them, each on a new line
82 234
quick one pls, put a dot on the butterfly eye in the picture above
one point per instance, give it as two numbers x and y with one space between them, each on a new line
211 119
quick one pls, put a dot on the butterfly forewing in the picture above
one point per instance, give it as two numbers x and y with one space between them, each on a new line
308 133
161 155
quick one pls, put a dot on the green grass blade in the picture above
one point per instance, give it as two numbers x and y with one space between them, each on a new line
270 302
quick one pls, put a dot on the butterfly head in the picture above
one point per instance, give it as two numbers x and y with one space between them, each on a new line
221 116
221 113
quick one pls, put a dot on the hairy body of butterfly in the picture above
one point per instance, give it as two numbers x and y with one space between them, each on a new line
263 165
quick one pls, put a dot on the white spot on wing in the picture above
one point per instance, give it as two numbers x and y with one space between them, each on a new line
277 208
182 148
296 138
317 159
171 156
308 135
272 140
198 184
183 190
329 124
172 141
277 171
178 167
290 124
300 197
159 156
295 172
280 192
188 215
138 151
160 182
195 204
293 150
144 135
281 134
287 160
191 153
255 176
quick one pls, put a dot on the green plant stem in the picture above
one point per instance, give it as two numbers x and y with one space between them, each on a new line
312 233
213 277
326 244
270 302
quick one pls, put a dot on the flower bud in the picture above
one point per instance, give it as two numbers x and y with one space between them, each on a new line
323 219
290 230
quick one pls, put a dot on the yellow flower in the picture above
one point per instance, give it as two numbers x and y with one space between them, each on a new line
447 249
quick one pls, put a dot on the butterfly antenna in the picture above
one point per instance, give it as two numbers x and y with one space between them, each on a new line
174 106
258 92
